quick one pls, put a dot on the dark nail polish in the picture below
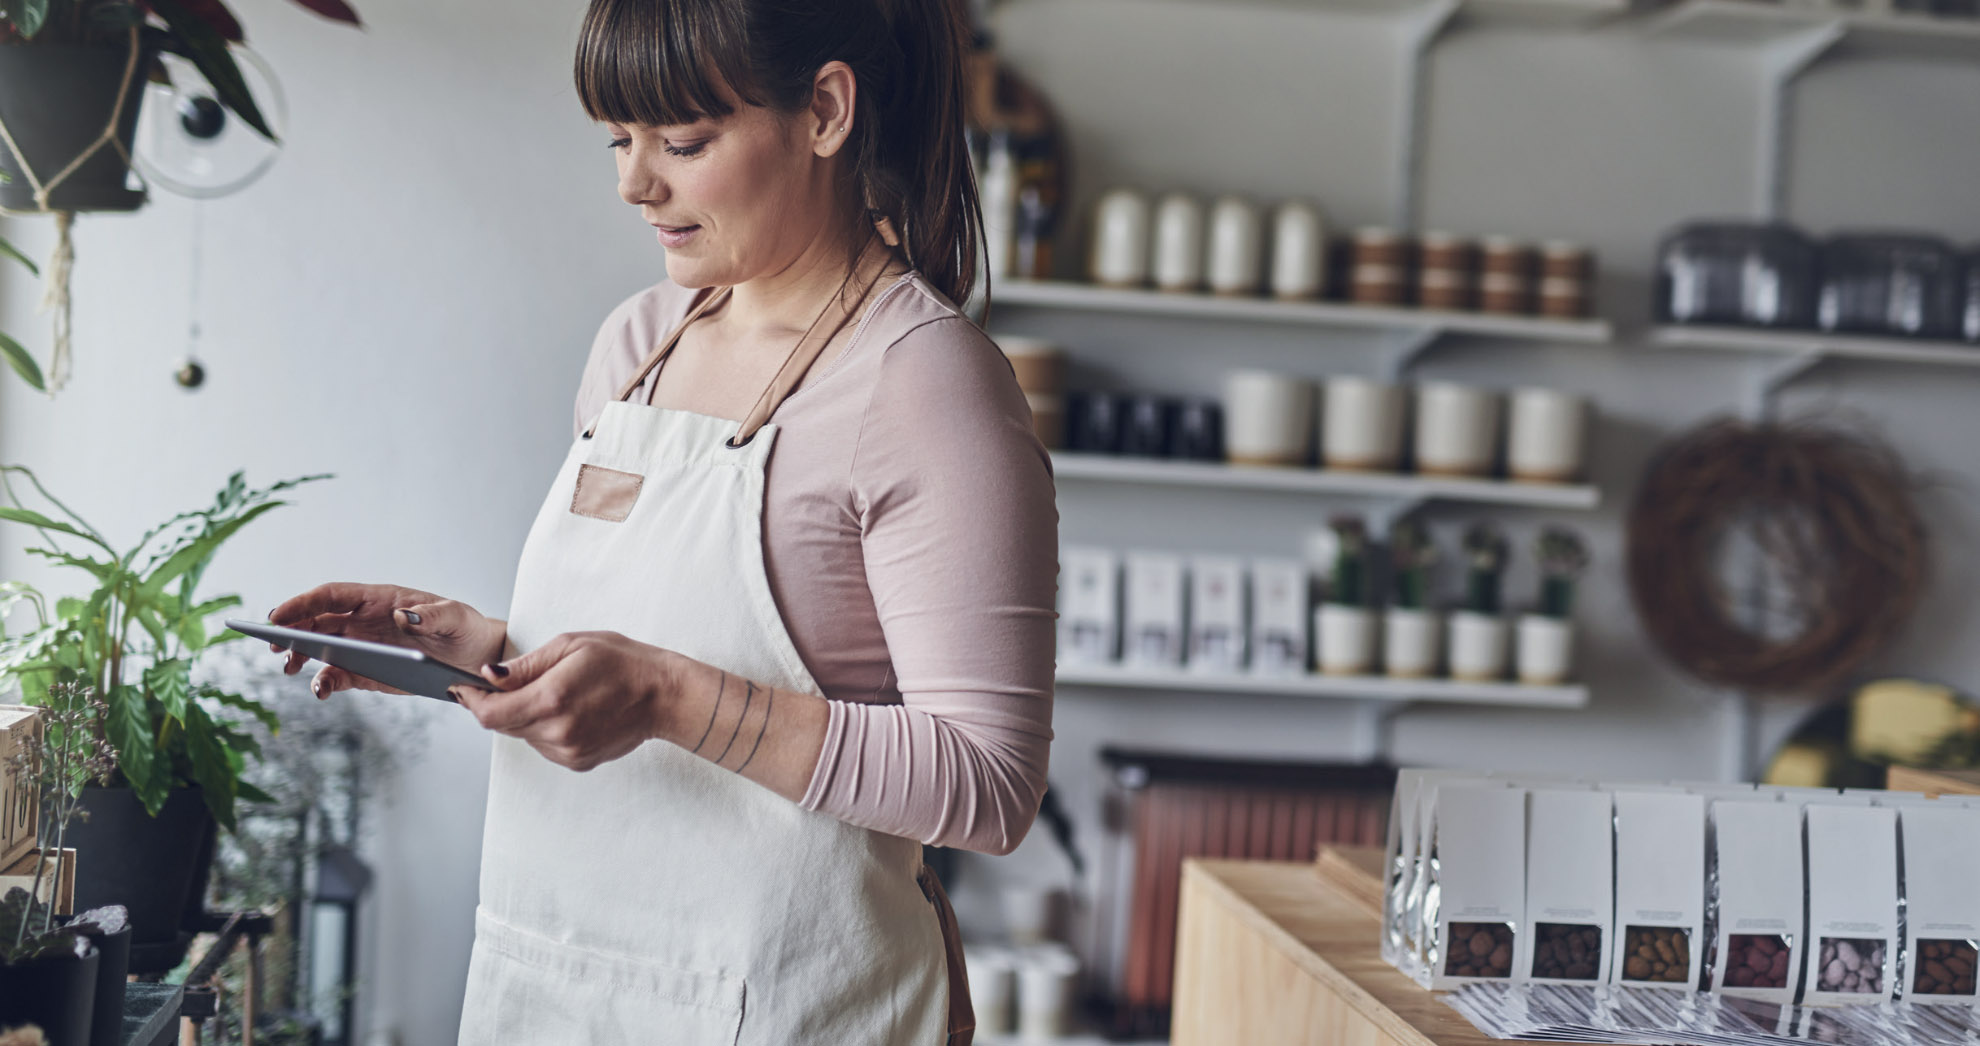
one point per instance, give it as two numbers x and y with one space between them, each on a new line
410 616
501 671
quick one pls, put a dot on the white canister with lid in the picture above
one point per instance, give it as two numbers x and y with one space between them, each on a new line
1268 417
1545 437
1236 248
1299 251
1361 425
1178 261
1457 429
1120 239
1048 991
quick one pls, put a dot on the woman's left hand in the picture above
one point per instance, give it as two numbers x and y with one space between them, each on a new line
581 699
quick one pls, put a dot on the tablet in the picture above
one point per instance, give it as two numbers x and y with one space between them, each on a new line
396 666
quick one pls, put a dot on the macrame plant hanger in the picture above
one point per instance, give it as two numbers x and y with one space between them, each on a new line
55 296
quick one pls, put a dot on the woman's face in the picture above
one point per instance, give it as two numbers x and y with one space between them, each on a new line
732 198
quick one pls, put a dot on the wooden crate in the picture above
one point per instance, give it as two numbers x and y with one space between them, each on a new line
20 801
57 881
1933 782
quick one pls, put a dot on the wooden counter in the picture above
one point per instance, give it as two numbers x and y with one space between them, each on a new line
1283 954
1933 782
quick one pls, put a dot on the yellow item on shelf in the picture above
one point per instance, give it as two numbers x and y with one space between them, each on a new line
1904 720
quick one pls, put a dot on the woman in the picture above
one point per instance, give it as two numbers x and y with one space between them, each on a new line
741 685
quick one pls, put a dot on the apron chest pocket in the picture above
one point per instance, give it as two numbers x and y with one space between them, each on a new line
523 988
606 494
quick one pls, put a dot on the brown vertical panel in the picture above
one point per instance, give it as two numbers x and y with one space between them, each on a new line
1303 814
1282 823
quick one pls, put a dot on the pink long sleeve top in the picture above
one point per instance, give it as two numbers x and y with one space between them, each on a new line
911 540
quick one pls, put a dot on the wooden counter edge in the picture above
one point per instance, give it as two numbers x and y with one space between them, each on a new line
1933 782
1206 876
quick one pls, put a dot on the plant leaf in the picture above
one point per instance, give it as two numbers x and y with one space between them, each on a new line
335 10
210 768
40 522
129 727
23 364
217 17
245 704
14 252
170 684
252 794
30 16
207 49
101 570
196 552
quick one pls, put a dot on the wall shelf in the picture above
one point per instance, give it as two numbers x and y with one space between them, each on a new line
1061 294
1352 688
1102 468
1815 345
1745 22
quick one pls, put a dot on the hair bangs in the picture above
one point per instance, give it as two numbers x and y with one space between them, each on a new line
660 63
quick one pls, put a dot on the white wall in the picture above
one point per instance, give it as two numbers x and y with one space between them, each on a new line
407 297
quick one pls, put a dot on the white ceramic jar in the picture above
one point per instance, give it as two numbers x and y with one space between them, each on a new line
1268 417
1412 642
1477 647
1299 251
1120 239
1048 983
992 975
1545 436
1544 654
1346 638
1457 429
1236 248
1361 425
1178 261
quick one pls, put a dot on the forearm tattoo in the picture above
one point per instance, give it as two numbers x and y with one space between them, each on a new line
747 698
762 727
719 688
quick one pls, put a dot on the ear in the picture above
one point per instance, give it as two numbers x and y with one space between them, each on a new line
833 92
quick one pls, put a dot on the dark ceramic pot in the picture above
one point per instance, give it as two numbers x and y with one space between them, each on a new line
57 995
155 866
56 100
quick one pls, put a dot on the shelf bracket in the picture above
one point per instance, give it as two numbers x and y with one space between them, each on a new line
1383 516
1375 728
1784 62
1420 30
1401 348
1764 385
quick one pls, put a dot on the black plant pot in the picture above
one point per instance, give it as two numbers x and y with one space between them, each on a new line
107 1026
56 100
154 866
58 995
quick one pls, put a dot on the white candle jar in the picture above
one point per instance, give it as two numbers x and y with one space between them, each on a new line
1545 436
1178 261
1457 430
1299 251
1361 425
1120 239
1235 247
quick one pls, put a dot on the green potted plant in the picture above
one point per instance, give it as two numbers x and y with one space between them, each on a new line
14 352
1412 630
1478 631
1544 652
135 635
1343 624
52 970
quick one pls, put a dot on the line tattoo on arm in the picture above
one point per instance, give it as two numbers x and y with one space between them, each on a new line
749 696
719 688
763 727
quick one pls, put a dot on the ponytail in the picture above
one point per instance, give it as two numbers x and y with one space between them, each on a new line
923 161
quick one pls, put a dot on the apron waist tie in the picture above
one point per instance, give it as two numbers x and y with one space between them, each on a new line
962 1013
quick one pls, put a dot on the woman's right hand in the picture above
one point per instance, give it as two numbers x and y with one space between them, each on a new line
442 629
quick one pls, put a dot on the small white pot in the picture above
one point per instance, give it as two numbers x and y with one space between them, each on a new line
1361 425
1299 251
1412 642
1457 430
1268 417
1478 647
1120 239
1545 436
1545 653
1048 990
1178 263
1236 248
992 973
1346 636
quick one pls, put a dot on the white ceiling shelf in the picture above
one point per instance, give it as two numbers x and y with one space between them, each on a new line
1048 294
1351 688
1565 13
1816 345
1103 468
1751 23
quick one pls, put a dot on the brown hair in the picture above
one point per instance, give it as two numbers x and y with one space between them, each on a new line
664 62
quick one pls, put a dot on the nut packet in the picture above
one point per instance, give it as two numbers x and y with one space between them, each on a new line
1660 889
1941 909
1475 894
1754 919
1419 928
1852 905
1570 887
1400 863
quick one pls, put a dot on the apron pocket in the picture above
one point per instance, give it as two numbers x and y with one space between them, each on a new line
606 494
524 988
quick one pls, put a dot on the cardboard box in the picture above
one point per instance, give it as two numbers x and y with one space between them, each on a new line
1757 938
1478 906
1660 889
1089 606
1217 606
1942 909
1570 887
1153 637
1852 905
58 880
20 801
1280 598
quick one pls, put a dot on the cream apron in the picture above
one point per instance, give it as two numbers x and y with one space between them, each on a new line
659 898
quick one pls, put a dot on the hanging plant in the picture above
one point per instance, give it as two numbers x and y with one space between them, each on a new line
72 73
